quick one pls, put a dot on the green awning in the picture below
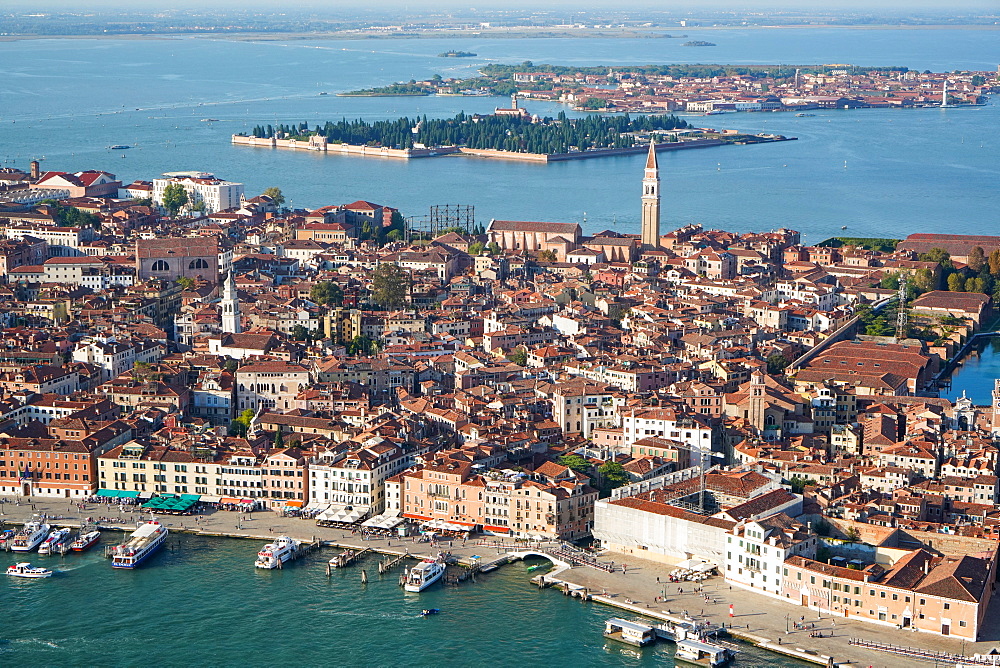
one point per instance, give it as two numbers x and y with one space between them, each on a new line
108 493
128 495
172 503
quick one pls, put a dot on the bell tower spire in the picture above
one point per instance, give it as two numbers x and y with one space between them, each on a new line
230 306
651 199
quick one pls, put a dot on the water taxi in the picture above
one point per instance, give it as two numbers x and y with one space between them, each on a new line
143 542
276 553
702 653
85 541
423 575
56 540
26 570
119 147
632 633
28 538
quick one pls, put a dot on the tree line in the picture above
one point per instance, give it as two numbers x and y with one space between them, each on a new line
502 133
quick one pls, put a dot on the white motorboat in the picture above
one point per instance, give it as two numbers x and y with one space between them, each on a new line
56 540
423 575
143 542
276 553
30 535
85 541
26 570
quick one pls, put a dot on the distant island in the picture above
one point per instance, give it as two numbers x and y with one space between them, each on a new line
512 133
392 90
457 54
509 134
698 42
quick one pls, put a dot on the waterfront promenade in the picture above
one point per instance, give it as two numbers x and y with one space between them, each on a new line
635 590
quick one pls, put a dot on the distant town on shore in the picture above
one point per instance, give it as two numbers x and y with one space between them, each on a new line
711 88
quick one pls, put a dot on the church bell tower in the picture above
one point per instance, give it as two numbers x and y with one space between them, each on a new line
230 307
651 200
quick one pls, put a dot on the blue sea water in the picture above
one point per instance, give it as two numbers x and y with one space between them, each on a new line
879 172
200 602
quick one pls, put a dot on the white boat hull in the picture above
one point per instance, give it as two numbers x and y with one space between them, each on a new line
281 552
424 584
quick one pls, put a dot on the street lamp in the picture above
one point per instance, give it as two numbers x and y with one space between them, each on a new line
786 624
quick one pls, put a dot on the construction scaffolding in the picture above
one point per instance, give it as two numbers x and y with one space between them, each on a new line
441 217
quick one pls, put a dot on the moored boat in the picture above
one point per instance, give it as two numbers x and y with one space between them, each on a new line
56 540
276 553
143 542
702 653
85 541
429 611
30 535
632 633
423 575
26 570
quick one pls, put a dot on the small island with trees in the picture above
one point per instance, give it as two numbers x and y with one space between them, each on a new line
392 90
457 54
516 136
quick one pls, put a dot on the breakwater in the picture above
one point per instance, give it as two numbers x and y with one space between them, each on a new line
319 144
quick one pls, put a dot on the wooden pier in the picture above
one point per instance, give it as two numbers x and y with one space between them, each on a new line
346 558
304 549
387 565
455 575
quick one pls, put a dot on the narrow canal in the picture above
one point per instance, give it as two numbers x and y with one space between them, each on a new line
979 368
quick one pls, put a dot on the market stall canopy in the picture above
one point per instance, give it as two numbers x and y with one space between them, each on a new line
383 522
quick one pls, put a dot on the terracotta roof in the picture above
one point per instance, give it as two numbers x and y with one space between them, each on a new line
530 226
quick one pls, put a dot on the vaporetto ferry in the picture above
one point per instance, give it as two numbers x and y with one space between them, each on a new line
143 542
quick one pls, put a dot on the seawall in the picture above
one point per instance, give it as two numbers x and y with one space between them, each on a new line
321 146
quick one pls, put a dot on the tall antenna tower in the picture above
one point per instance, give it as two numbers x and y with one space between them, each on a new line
901 317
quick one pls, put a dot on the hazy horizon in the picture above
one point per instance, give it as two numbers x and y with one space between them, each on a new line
428 7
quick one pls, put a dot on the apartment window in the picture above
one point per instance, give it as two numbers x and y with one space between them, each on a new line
947 606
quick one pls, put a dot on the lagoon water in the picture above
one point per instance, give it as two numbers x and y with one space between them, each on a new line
204 604
879 172
200 602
